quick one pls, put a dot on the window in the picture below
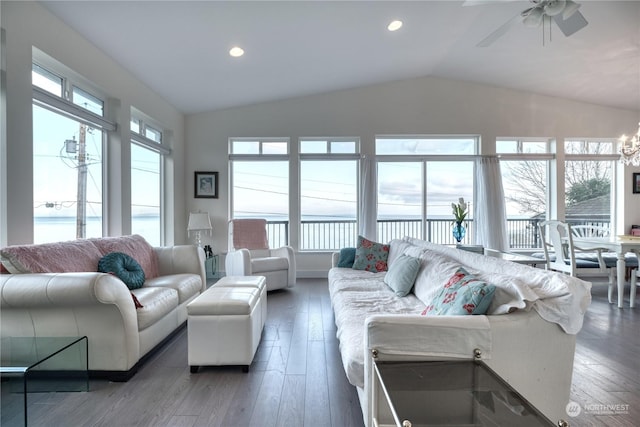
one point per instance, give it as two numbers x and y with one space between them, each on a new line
147 154
589 171
418 177
328 193
68 140
259 176
525 170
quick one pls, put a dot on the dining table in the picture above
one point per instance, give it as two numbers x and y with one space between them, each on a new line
621 245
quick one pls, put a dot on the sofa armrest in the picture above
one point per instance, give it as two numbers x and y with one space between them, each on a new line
182 259
335 257
64 289
97 305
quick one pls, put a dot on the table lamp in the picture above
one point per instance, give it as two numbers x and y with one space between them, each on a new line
199 222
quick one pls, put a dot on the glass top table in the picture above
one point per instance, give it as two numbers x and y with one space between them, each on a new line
448 393
40 364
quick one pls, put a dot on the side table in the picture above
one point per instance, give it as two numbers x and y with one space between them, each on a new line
448 393
38 364
211 266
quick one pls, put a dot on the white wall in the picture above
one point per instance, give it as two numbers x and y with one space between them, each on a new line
417 106
28 24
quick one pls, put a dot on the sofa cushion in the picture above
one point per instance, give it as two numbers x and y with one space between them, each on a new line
347 257
371 256
187 285
135 246
123 266
402 274
62 257
463 293
156 303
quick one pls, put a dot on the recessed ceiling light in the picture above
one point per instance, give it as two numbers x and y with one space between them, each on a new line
394 25
236 51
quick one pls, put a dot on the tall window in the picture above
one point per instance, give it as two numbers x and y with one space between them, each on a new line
68 138
418 179
147 151
328 192
524 164
589 167
259 176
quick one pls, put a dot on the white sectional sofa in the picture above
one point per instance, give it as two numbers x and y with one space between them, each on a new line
55 290
527 335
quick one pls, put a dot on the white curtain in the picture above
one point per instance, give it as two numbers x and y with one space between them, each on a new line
367 214
491 215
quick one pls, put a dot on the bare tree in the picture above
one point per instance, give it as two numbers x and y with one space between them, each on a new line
584 179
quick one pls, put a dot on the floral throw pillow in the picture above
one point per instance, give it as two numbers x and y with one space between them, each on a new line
370 256
463 294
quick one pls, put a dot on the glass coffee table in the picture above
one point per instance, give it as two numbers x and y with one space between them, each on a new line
447 393
40 364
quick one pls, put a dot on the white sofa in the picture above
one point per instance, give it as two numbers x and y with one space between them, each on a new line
527 336
77 300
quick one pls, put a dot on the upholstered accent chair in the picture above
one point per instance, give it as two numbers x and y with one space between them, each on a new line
249 254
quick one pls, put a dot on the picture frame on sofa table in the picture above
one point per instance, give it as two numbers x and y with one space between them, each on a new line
205 185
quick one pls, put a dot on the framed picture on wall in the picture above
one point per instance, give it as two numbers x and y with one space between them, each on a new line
206 185
636 183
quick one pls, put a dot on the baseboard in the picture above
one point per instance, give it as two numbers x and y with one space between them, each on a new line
312 274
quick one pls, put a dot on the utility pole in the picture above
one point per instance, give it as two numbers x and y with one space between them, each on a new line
81 215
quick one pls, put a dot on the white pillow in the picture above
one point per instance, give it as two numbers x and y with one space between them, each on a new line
435 270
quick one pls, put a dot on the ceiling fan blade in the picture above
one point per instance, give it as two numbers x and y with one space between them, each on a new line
487 41
572 24
483 2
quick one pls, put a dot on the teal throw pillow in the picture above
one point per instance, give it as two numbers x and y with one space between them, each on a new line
124 267
370 256
462 294
402 274
347 256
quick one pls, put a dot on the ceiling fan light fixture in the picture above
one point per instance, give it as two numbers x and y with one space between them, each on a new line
394 25
533 18
554 7
570 8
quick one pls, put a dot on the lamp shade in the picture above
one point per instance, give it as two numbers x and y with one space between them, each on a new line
199 221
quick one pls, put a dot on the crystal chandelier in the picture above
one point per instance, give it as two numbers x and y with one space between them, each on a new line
630 149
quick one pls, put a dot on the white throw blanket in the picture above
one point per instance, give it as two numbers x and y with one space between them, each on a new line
556 297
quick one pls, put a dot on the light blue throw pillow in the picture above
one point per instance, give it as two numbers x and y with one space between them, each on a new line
402 274
462 294
347 257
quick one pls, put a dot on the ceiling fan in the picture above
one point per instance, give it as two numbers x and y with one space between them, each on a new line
563 12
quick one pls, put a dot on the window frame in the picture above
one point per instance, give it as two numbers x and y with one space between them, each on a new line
329 156
64 106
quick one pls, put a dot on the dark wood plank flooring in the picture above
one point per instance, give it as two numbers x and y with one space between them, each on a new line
297 377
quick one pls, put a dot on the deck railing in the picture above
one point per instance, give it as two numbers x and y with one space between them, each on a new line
323 235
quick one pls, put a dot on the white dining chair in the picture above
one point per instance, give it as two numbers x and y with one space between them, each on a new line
560 254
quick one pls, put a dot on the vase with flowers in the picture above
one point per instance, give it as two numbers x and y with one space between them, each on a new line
459 213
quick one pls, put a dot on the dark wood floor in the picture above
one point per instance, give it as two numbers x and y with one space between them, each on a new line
297 377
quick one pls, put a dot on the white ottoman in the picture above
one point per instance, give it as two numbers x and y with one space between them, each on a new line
258 282
224 326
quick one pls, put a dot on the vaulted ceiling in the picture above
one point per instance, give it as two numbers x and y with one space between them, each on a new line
181 49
